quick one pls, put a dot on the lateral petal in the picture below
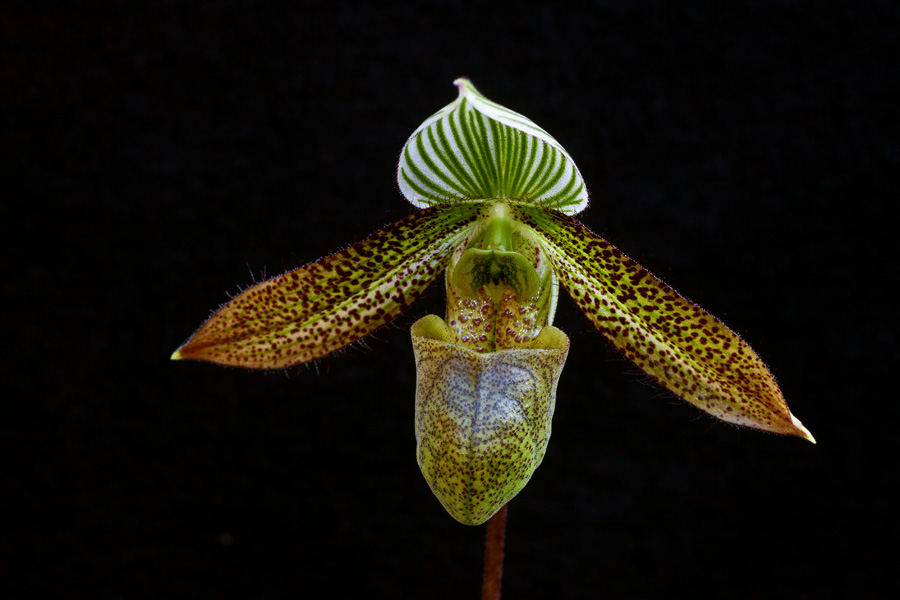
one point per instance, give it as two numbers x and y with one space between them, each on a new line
673 340
323 306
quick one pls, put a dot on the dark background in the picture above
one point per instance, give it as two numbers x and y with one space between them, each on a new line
157 154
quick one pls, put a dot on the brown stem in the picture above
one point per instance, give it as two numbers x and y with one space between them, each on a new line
493 556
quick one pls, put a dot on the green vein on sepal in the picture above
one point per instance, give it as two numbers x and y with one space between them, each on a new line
476 149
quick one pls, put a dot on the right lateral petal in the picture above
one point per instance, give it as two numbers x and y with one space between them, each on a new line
672 339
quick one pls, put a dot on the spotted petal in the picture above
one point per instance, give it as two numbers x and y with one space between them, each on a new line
319 308
474 148
675 341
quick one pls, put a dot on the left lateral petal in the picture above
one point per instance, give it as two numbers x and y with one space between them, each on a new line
675 341
319 308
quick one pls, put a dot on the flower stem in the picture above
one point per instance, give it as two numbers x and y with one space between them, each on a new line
493 556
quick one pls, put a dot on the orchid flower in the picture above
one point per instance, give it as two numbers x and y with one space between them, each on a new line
497 196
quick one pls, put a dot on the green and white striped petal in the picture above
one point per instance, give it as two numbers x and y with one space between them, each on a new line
319 308
476 149
675 341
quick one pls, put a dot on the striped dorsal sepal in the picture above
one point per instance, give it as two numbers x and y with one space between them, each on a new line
475 149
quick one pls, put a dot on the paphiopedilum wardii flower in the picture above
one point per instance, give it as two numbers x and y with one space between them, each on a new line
497 195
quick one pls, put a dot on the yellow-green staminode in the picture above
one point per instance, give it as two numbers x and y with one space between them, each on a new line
497 194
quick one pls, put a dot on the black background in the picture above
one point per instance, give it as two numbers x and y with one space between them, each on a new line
158 154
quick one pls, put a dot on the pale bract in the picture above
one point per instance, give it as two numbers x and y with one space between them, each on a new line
497 195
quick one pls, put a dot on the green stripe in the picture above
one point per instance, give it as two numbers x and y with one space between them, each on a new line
448 157
464 153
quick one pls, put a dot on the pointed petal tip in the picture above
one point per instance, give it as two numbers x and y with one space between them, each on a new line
463 84
801 430
176 355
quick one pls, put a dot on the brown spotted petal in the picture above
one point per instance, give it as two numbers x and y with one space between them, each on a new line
675 341
482 419
319 308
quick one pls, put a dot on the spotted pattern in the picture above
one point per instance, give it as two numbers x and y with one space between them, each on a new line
316 309
483 420
483 326
675 341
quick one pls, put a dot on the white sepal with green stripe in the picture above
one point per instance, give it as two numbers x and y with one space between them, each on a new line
476 149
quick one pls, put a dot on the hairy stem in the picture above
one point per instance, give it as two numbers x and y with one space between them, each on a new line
493 556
